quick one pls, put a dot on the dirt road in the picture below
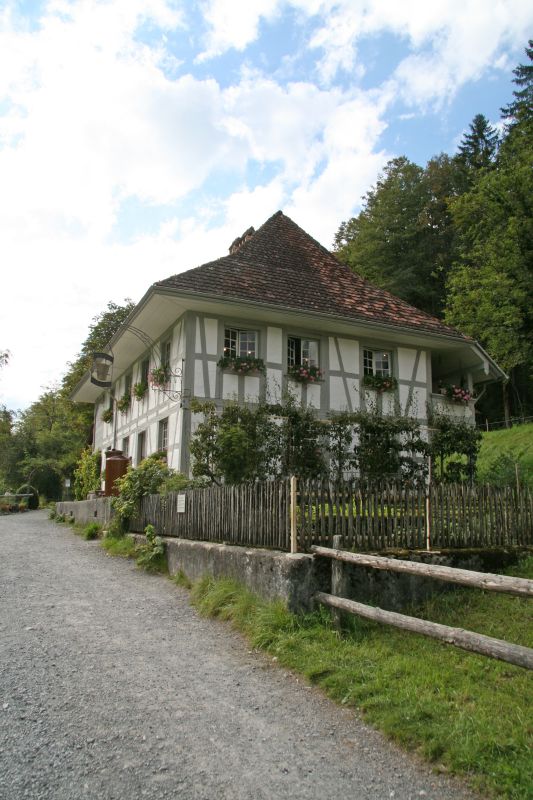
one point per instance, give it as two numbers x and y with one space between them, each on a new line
113 688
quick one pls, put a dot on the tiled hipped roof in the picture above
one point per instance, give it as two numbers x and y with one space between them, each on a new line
281 265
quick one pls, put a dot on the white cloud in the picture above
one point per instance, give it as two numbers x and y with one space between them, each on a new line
234 24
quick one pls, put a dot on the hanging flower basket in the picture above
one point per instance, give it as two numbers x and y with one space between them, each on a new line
455 393
381 383
304 373
107 415
139 390
242 365
124 403
160 376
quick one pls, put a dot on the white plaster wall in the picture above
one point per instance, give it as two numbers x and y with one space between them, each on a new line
274 348
273 385
295 390
333 357
211 336
212 372
199 388
406 363
421 373
251 388
230 386
349 354
313 395
404 396
388 403
337 395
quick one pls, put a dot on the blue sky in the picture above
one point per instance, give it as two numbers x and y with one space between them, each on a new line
138 138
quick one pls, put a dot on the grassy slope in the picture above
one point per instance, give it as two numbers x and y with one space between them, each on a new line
468 714
501 449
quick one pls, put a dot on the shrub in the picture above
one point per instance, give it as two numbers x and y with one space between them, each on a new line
87 474
52 514
91 531
151 556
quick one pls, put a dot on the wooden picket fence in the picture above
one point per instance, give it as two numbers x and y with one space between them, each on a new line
253 515
369 516
392 515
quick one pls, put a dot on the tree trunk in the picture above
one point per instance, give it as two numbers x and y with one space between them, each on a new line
506 404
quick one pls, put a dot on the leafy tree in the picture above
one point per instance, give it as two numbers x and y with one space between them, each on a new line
479 146
87 474
403 239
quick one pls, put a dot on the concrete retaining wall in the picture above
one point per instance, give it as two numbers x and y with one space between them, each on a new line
270 574
296 578
84 511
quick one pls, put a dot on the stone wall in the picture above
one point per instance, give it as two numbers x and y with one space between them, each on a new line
84 511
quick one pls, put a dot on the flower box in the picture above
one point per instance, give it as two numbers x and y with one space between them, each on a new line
381 383
456 393
242 365
304 373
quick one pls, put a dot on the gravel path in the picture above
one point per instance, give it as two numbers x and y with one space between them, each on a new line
112 688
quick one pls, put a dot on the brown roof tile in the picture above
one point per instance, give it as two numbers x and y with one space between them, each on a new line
281 265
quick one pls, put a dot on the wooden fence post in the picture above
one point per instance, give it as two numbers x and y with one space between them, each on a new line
294 537
338 583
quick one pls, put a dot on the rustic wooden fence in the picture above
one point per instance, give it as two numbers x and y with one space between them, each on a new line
369 517
253 515
467 640
391 516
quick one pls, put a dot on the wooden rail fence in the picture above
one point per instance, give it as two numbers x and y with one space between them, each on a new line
467 640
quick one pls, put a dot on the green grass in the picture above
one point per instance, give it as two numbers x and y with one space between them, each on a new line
122 546
501 450
466 714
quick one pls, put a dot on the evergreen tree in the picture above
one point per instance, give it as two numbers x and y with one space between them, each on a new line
479 146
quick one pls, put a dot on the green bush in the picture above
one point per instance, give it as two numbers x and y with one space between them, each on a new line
152 476
87 474
91 531
151 556
52 514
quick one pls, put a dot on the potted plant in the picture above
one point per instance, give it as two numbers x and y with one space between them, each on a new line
305 373
124 403
139 390
242 365
381 383
160 376
107 415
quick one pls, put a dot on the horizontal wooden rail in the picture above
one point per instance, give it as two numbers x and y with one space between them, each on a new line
474 642
481 580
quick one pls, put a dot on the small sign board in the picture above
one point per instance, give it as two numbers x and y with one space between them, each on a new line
180 508
67 483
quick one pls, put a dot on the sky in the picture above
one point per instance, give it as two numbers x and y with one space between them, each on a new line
139 138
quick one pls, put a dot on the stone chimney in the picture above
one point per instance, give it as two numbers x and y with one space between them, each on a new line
240 240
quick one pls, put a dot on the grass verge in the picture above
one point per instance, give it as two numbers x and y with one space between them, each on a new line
122 546
467 714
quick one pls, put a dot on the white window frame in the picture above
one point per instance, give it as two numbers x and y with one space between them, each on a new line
162 434
374 360
299 351
240 342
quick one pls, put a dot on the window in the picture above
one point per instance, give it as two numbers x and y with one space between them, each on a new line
126 446
141 447
127 383
240 344
165 353
302 351
376 362
162 435
145 369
